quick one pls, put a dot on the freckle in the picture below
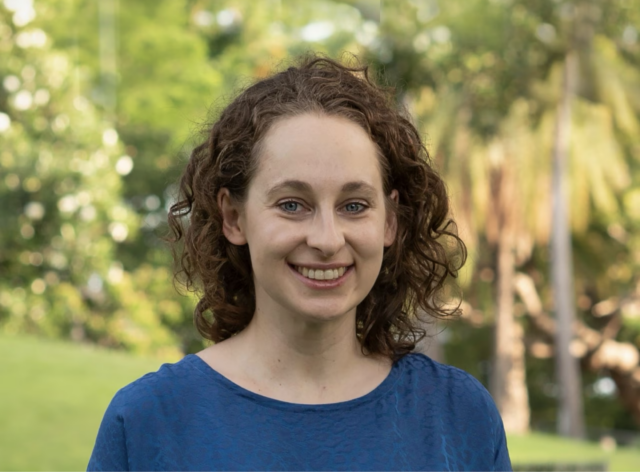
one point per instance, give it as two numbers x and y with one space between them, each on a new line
278 360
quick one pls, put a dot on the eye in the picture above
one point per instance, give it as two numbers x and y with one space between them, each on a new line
289 206
355 207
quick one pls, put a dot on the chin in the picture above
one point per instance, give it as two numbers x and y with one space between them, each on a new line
324 313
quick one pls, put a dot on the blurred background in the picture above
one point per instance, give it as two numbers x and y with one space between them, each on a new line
530 110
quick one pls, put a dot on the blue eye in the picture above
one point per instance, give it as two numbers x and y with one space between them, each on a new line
354 207
290 207
294 207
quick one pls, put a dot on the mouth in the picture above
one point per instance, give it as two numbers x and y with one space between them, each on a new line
318 278
320 274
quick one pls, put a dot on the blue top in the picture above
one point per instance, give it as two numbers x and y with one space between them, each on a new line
187 416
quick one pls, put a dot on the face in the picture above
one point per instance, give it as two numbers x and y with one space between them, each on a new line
314 218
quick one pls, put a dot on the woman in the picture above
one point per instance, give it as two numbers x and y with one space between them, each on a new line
316 231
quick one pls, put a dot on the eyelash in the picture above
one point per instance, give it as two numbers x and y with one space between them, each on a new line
364 207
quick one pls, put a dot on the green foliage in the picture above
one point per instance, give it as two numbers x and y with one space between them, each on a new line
97 178
483 79
63 214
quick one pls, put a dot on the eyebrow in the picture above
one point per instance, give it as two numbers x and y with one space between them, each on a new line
304 187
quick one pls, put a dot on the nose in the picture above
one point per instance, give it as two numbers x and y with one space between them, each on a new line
325 233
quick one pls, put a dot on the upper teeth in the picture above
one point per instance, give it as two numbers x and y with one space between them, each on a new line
319 274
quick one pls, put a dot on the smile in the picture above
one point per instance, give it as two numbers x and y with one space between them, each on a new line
335 278
319 274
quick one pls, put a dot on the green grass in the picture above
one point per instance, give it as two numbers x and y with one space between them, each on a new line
53 396
543 448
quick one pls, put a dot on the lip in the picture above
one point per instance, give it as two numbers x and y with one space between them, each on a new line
323 284
334 265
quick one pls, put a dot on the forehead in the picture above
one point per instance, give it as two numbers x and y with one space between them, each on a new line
325 151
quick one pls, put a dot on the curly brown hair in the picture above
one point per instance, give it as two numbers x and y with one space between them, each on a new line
414 268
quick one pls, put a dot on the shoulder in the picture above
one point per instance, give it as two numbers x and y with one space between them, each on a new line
462 408
452 386
426 367
461 403
152 389
158 401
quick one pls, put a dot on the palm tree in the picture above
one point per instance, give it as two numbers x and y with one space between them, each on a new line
570 411
593 102
496 110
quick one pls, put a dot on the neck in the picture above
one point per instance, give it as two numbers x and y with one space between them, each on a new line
297 358
301 352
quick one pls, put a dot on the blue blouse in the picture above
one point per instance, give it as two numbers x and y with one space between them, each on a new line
187 416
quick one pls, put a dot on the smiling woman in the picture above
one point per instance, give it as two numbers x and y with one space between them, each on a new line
298 214
265 128
315 228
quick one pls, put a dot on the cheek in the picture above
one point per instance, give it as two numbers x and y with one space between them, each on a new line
270 238
368 240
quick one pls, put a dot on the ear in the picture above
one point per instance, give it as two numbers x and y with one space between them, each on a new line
232 226
391 223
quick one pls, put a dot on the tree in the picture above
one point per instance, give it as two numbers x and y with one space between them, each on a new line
171 61
63 215
451 76
487 96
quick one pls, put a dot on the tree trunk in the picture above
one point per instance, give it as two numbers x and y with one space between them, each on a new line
508 379
600 350
570 410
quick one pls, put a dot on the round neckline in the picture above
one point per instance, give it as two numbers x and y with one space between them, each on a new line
380 390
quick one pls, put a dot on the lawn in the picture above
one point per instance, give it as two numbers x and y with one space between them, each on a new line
52 398
53 395
544 448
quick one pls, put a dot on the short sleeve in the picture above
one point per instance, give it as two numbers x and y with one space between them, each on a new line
110 449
